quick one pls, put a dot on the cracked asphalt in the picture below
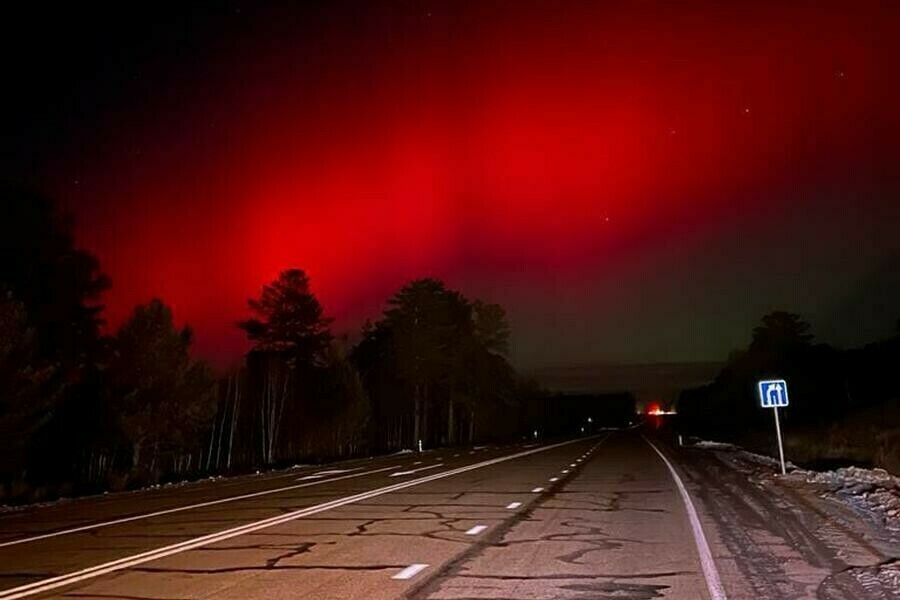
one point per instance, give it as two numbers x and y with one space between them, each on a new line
611 526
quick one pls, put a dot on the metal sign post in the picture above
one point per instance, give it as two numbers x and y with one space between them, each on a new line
780 446
772 394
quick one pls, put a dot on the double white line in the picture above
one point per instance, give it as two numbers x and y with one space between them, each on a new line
52 583
177 509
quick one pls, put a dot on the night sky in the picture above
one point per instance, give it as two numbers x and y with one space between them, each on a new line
634 181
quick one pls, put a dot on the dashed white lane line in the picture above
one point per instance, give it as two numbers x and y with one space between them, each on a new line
513 505
537 490
52 583
418 462
410 571
411 471
554 479
308 477
572 465
565 471
476 530
710 573
177 509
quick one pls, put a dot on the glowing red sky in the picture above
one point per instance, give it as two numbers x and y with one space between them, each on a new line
587 165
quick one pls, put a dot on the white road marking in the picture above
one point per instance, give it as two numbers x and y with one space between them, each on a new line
418 462
537 490
337 471
513 505
565 471
52 583
456 455
710 573
554 479
411 471
308 477
169 511
572 465
476 530
410 571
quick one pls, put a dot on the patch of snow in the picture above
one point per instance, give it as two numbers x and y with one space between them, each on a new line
881 578
745 455
708 445
12 508
873 490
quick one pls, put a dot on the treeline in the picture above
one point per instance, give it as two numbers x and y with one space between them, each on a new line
431 370
844 404
81 411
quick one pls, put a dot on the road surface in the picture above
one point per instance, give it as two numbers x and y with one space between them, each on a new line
594 518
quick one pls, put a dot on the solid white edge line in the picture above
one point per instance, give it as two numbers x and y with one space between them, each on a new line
58 581
177 509
710 573
410 571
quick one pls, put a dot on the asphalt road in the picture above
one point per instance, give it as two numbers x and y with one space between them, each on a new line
599 518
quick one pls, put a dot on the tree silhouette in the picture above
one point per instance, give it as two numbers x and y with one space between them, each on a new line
781 332
162 397
27 387
57 284
491 327
288 319
51 317
428 324
443 354
291 339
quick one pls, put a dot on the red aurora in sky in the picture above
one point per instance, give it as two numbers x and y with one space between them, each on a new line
614 173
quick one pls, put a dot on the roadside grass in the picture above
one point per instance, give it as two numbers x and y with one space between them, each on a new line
868 437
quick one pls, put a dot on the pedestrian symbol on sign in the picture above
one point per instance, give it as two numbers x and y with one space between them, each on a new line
773 393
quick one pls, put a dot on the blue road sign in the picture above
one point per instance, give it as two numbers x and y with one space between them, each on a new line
773 393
